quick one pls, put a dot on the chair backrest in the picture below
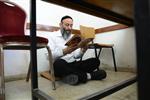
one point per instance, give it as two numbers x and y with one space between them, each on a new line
87 32
12 19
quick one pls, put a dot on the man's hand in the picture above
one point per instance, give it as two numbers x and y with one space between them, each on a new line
69 49
84 48
84 43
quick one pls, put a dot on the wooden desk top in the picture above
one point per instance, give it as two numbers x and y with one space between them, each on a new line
120 11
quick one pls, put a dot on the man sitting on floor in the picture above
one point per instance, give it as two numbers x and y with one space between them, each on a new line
66 65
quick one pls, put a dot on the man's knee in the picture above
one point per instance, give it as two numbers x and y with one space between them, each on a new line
95 62
59 62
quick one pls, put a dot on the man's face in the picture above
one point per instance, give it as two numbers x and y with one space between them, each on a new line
66 25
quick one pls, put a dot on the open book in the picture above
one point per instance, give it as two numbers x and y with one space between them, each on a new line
75 40
86 36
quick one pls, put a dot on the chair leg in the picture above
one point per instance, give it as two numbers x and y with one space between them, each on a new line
29 72
98 55
95 49
100 49
113 54
2 90
51 67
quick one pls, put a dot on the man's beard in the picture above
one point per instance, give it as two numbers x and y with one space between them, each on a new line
65 33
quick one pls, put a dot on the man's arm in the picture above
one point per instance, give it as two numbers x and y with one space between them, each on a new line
69 49
82 45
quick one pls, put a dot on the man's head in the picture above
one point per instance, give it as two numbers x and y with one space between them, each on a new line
66 25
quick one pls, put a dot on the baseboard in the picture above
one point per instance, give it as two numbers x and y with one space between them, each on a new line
121 69
16 77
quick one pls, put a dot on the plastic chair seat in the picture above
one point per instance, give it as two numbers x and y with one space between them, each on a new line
25 39
21 42
98 45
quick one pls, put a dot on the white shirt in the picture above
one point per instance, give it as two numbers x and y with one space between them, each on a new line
57 44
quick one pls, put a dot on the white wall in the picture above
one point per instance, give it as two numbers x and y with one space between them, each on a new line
124 47
50 14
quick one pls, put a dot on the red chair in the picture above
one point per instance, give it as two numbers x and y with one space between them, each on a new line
12 36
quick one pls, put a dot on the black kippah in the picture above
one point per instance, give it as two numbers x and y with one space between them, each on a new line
65 17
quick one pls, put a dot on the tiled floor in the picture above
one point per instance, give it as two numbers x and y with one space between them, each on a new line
20 90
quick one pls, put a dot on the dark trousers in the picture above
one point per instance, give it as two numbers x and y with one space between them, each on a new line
80 68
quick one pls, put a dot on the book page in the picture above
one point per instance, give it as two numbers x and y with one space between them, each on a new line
87 32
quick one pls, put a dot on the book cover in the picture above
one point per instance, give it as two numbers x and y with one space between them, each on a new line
75 40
